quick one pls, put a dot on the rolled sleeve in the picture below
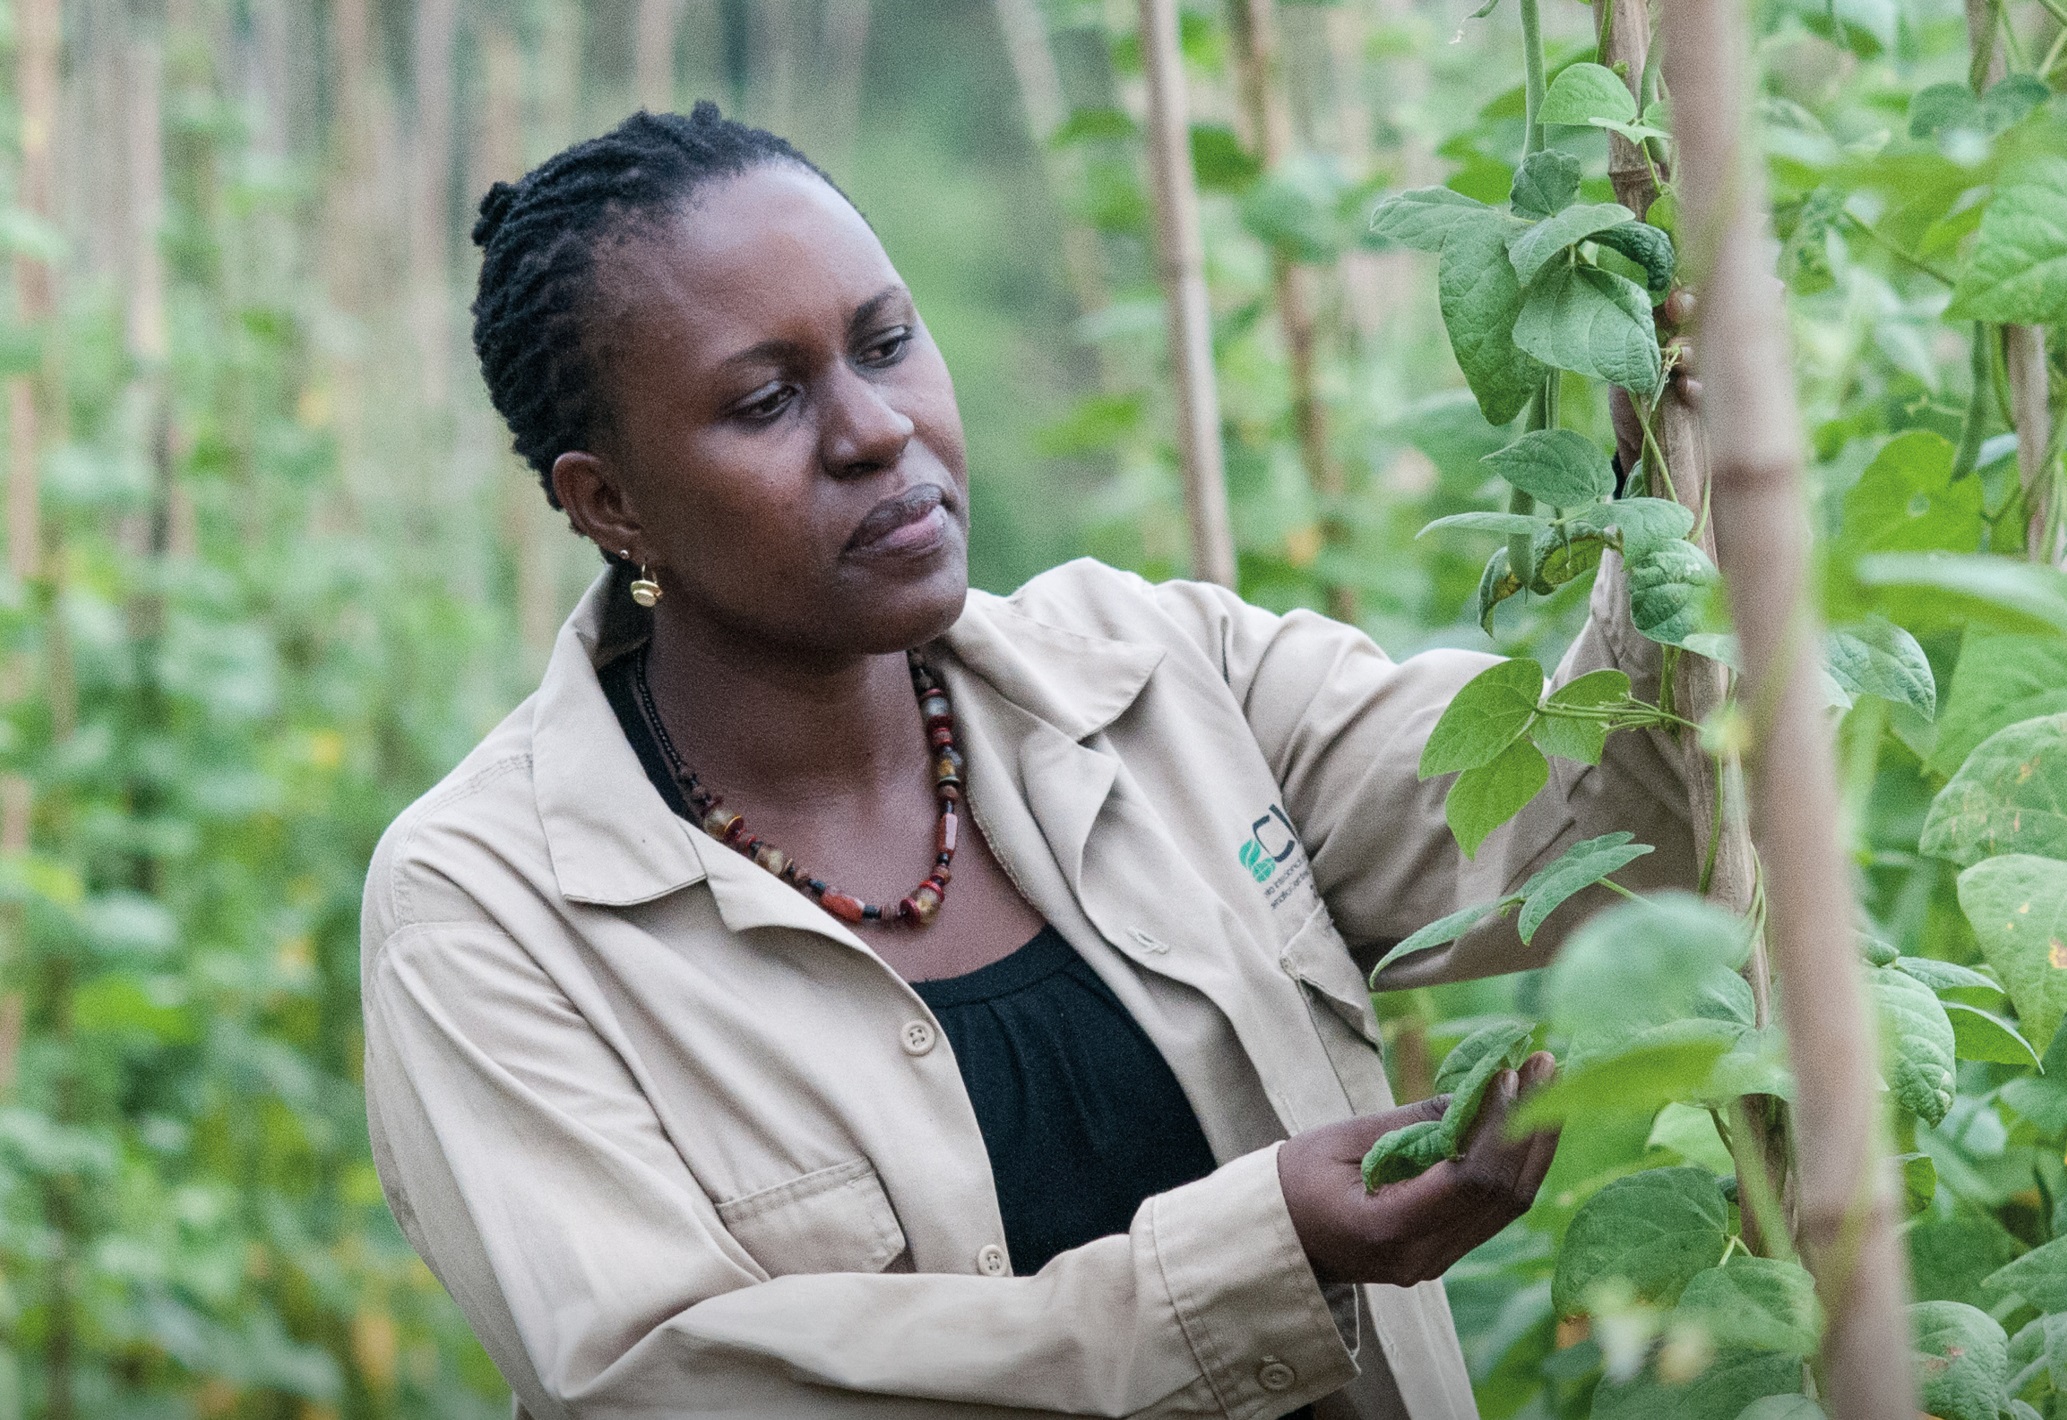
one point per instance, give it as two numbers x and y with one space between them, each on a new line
1259 1323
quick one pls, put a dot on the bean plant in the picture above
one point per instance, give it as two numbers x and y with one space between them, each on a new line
1673 1285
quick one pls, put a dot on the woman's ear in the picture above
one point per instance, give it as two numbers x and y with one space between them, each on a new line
588 488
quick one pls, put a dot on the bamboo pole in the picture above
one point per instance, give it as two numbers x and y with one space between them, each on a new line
1042 102
1845 1228
1181 264
655 28
430 217
1715 790
1255 27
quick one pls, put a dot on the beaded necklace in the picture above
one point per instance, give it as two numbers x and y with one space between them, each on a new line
917 908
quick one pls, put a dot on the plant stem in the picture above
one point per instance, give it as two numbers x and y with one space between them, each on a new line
1972 432
1715 832
1873 235
1656 457
1532 77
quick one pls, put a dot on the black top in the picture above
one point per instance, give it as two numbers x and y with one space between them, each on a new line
1079 1112
1080 1115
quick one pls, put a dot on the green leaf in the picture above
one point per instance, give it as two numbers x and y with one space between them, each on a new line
1591 322
1506 524
1558 555
1756 1304
1403 1153
2017 905
1908 501
2010 100
1442 931
1943 976
1782 1407
2001 679
1919 1182
1495 585
1669 585
1880 658
1689 1132
1962 1360
1654 1230
1583 740
2039 1277
2041 1347
1917 1043
1577 868
1674 1065
1556 466
1483 718
1639 965
1424 217
1943 106
1979 1035
1481 301
2009 797
1469 1069
1484 798
1727 1389
1996 591
1532 247
1650 248
2018 272
1545 184
1638 523
1583 93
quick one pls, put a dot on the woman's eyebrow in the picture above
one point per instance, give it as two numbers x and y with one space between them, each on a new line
871 308
780 349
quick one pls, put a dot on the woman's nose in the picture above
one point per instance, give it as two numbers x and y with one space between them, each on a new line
863 432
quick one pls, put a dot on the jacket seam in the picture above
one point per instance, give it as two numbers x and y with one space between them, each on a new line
1197 1337
466 788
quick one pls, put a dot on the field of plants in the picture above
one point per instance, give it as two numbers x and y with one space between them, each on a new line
1754 308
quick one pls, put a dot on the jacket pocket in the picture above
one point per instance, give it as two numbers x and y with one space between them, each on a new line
1340 1005
834 1219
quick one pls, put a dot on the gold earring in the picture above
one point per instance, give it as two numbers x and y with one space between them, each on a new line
645 591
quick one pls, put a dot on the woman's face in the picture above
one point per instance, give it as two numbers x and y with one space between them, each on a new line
783 448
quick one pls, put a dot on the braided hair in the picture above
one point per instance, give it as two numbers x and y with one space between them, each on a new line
539 237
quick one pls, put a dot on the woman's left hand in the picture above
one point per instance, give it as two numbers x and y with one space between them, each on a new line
1412 1231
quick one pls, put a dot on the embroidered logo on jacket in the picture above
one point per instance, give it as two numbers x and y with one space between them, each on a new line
1272 844
1271 841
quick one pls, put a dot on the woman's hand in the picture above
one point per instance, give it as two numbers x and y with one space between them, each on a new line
1412 1231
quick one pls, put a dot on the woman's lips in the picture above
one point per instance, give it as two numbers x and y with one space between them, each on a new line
912 521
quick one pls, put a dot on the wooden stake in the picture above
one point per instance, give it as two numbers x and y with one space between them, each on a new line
1270 132
655 28
1181 264
1845 1229
430 215
1042 101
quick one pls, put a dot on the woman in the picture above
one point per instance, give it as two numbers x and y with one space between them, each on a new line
836 992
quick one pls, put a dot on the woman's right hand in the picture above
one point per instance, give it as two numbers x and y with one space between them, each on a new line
1414 1230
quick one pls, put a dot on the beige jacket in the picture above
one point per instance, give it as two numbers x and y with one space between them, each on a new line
679 1143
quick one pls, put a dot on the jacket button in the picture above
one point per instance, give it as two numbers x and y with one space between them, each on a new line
917 1037
1274 1374
991 1260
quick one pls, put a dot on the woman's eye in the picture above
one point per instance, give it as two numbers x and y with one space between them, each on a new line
889 349
764 405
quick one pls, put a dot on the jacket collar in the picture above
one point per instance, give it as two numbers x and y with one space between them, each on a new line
613 840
